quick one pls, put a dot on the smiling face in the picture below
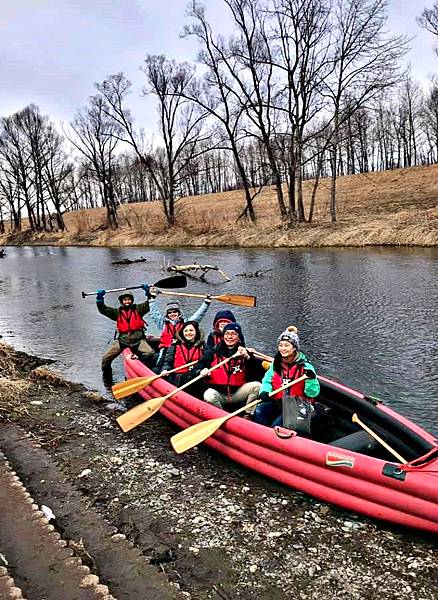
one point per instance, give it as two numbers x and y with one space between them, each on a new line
189 333
286 349
231 338
221 324
173 314
126 301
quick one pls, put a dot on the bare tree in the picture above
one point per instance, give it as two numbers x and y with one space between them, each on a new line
429 20
247 58
366 62
301 34
215 94
180 121
96 138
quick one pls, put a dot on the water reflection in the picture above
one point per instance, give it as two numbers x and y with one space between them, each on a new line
367 317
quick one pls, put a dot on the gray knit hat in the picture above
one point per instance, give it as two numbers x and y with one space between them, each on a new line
174 305
290 335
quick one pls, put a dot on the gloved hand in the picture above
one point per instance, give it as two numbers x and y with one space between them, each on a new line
310 374
100 294
207 299
264 396
146 287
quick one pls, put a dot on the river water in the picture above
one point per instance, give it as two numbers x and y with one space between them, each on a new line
366 317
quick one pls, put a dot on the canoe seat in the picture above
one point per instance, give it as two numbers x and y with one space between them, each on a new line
359 441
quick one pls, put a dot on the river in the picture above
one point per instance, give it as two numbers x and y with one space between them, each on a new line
366 317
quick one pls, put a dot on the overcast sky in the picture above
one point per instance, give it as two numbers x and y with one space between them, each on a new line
52 51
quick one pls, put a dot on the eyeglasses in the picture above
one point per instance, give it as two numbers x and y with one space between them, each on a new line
231 334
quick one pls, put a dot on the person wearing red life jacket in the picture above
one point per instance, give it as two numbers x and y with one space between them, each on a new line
187 347
171 322
291 408
221 318
130 327
230 384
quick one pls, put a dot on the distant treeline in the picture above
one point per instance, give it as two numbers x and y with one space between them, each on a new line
302 89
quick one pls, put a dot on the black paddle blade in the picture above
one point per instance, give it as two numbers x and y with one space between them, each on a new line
175 281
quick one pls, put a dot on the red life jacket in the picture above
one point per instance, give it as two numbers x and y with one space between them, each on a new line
231 375
129 320
288 374
184 355
168 335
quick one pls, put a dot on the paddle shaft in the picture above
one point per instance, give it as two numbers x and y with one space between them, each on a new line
173 281
143 411
137 383
356 419
237 299
210 370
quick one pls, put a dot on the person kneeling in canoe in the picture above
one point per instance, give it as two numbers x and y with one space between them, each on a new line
229 384
130 327
188 347
293 407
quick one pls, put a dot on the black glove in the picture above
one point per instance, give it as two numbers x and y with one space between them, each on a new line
208 299
264 396
310 374
100 294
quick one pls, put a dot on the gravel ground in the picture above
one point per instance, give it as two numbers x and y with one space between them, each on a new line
216 530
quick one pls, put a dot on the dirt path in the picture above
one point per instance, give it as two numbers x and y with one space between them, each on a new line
196 526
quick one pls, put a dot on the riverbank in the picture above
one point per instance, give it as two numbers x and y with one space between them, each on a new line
206 528
394 208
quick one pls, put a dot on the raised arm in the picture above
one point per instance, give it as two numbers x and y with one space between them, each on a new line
199 314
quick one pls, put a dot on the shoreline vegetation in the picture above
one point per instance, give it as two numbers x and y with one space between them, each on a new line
391 208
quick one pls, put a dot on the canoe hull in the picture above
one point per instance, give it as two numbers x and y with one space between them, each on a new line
339 476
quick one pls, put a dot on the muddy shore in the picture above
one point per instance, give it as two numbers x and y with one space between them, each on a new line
205 527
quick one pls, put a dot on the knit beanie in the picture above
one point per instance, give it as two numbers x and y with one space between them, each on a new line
234 327
174 305
291 336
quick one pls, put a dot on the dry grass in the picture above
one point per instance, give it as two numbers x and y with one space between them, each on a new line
44 374
392 207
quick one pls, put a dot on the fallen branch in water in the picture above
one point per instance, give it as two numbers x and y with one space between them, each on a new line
258 273
197 267
128 261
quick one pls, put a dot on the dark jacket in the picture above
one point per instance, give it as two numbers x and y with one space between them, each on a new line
126 339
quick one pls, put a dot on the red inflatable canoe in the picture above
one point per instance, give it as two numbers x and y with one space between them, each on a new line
341 464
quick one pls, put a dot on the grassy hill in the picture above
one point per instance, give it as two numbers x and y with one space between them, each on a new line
397 207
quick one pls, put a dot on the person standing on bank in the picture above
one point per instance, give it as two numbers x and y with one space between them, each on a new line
130 327
231 383
292 408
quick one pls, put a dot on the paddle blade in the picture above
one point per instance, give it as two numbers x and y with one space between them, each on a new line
194 435
249 301
139 413
132 386
174 281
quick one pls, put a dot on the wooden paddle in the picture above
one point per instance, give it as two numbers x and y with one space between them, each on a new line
143 411
194 435
131 386
238 300
175 281
356 419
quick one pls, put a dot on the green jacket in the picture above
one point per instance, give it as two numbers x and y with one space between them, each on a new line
311 386
126 339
